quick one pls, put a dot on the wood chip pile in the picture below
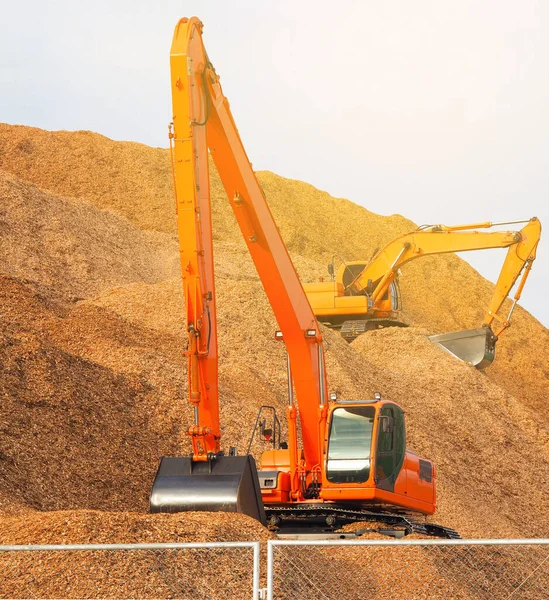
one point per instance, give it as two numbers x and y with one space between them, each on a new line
93 382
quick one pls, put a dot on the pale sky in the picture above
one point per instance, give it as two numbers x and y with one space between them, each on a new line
436 110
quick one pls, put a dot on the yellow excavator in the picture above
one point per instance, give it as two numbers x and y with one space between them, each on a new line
365 295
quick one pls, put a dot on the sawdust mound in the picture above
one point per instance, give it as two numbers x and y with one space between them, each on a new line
130 178
93 391
102 527
72 248
440 293
75 433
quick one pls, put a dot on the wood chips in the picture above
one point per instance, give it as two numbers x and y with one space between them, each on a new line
93 381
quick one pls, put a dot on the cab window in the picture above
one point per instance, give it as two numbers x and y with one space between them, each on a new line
349 444
351 272
385 443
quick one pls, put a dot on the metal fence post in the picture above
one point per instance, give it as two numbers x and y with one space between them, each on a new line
270 569
257 567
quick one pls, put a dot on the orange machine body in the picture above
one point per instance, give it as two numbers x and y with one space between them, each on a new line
314 468
394 477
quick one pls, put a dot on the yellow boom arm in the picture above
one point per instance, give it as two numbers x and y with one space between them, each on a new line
377 276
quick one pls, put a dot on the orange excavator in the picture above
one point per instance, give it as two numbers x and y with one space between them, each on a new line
345 460
364 296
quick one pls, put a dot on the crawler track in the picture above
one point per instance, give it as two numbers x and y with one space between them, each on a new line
312 517
350 330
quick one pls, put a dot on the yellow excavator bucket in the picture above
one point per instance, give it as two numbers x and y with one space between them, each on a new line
474 346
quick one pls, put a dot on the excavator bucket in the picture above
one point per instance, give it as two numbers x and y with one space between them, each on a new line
474 346
227 483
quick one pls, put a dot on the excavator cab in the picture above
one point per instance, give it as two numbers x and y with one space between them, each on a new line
223 483
474 346
367 461
366 466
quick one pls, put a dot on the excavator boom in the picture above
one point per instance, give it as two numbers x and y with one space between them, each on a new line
282 285
202 120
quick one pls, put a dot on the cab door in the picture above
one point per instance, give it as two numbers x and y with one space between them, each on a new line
391 445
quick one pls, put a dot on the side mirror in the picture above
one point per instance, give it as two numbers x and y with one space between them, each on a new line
331 269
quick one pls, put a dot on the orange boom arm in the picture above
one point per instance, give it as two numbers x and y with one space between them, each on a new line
201 120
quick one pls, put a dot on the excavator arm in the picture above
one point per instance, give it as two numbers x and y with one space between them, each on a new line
519 260
189 157
377 276
202 120
476 346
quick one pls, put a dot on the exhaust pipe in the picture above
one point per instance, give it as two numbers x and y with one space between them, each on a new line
474 346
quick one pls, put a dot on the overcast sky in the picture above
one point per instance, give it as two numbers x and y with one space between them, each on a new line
436 110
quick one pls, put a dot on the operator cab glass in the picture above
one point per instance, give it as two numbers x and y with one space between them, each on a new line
351 272
349 444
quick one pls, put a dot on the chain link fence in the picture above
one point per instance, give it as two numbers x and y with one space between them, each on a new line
338 570
409 570
215 571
